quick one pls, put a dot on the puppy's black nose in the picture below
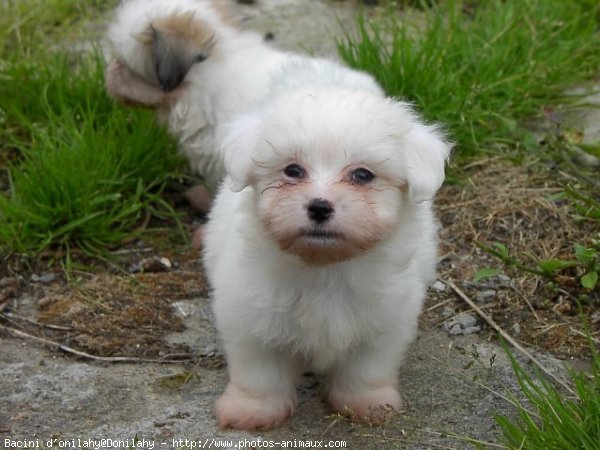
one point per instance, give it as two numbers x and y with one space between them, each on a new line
320 210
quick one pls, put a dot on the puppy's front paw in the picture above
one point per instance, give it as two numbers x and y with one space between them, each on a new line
374 405
242 410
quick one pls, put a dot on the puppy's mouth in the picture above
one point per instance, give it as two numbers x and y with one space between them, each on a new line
320 245
323 236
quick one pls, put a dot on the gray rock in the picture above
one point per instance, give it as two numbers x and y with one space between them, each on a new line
466 320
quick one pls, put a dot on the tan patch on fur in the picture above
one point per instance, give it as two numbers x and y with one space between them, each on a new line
145 37
188 28
224 12
358 231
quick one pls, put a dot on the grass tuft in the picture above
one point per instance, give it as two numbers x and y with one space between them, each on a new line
482 70
86 170
558 422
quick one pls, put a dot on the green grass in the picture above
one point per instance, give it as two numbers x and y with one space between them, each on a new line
552 420
79 171
484 73
88 170
27 25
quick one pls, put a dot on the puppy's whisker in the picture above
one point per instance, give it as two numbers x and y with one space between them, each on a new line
281 184
271 183
269 187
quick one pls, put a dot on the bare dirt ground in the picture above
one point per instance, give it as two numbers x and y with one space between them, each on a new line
128 349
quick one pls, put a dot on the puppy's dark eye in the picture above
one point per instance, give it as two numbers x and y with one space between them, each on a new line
294 171
362 176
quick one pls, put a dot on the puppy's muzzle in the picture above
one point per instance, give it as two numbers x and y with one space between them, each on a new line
320 210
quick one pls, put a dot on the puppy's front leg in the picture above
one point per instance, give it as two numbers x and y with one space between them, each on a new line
364 386
261 391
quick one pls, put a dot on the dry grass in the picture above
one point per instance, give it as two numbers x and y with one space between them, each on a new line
503 202
112 315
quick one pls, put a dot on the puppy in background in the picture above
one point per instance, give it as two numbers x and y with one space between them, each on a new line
189 61
321 241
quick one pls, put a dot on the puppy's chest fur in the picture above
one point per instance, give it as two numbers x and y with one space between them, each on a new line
322 319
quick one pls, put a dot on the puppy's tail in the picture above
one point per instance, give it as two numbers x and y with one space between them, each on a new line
155 43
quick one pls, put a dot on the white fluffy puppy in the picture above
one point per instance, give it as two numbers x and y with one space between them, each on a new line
322 242
321 245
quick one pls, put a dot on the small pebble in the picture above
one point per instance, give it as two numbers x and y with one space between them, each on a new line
439 286
45 301
471 330
447 312
516 329
150 265
464 324
484 296
44 278
210 350
185 309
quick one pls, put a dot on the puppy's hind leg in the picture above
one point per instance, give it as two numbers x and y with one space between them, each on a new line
261 391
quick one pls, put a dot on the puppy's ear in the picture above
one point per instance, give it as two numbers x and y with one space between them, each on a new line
238 143
426 154
178 42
